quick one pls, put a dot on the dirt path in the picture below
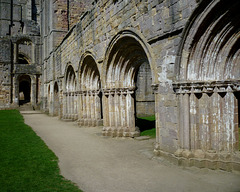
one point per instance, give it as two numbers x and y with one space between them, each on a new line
102 164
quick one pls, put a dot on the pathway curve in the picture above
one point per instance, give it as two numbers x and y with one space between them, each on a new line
103 164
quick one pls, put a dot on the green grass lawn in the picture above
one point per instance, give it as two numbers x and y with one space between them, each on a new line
147 126
26 163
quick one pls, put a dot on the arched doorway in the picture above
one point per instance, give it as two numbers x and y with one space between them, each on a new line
90 97
127 85
208 78
24 89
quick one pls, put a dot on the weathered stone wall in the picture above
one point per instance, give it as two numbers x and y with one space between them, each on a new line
111 61
19 33
5 72
120 36
144 95
157 24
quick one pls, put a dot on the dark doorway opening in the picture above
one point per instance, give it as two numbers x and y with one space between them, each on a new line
56 100
22 59
24 89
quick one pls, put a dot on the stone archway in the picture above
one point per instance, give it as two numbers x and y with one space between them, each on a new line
90 108
24 89
208 75
125 65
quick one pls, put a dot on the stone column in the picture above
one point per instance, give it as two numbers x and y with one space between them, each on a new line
106 108
68 105
33 54
111 109
123 109
117 108
228 117
79 103
15 90
130 113
15 53
122 120
193 124
157 117
72 105
181 121
98 108
186 128
60 104
92 108
106 112
64 105
84 108
33 91
88 108
215 121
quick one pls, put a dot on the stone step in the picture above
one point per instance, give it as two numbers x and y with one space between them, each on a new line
26 107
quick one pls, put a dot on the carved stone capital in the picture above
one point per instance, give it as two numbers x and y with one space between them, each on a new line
206 87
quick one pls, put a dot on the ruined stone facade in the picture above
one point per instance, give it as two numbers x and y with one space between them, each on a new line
20 53
107 62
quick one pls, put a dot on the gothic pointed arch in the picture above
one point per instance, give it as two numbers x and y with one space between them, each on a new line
210 45
208 75
127 41
90 112
127 56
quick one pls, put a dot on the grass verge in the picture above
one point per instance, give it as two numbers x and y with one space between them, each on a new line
151 133
26 163
147 126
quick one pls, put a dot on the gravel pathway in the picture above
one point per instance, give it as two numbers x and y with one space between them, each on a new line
103 164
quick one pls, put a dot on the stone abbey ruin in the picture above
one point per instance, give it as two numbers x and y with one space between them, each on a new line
107 62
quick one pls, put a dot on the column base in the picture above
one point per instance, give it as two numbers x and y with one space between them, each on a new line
120 132
212 160
90 122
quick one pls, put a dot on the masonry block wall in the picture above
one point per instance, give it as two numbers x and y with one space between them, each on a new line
106 63
20 51
5 75
126 59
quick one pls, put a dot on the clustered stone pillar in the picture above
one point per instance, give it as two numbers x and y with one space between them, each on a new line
16 90
64 102
15 54
208 127
90 108
119 117
33 90
70 109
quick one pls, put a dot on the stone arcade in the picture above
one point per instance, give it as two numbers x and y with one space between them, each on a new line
107 62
